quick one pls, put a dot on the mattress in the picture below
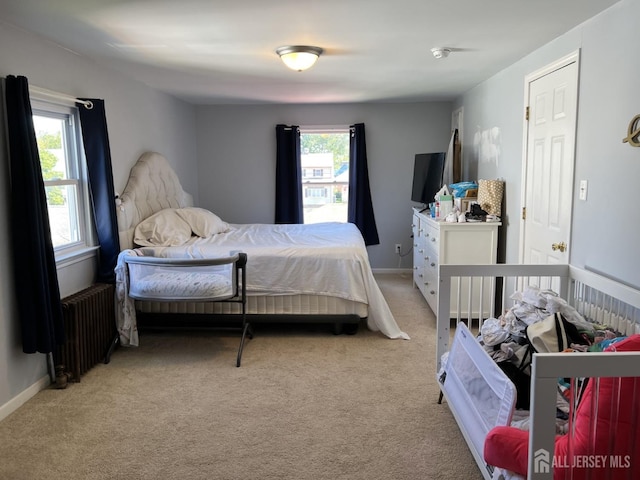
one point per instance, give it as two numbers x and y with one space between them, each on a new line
298 269
321 259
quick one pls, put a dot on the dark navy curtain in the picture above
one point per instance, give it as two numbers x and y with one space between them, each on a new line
360 204
35 275
288 175
95 137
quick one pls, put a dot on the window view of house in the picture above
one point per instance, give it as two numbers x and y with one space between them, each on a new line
325 175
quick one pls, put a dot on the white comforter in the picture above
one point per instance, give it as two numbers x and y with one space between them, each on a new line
321 259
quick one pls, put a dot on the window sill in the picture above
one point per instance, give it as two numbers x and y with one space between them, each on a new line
78 255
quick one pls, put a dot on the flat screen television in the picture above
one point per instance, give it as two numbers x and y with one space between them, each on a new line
428 170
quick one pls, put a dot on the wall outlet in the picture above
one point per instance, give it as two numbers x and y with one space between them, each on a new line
398 248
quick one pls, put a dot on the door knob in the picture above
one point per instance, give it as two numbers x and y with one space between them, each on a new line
559 246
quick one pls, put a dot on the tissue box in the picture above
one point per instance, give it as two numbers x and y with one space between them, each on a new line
446 205
464 203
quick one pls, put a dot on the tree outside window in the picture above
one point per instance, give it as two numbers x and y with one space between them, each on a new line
48 161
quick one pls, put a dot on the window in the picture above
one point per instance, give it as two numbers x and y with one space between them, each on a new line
315 192
325 155
64 174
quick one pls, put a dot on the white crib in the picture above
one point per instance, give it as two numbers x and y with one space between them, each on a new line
594 296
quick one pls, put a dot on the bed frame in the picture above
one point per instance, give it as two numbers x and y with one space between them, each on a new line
152 186
594 296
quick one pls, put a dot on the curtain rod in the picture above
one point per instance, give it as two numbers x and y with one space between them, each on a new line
61 96
323 128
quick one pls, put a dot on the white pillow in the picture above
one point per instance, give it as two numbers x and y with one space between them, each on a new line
203 222
162 229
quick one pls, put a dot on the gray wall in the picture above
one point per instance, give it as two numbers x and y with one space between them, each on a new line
605 227
139 119
237 150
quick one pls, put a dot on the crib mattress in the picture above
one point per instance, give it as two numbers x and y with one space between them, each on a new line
177 285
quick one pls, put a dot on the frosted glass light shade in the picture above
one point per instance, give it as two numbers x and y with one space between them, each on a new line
299 57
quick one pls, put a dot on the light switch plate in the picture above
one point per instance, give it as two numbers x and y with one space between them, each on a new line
583 189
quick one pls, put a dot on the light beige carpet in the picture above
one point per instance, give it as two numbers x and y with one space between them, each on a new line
305 404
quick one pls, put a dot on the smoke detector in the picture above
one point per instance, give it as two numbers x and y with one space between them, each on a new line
440 52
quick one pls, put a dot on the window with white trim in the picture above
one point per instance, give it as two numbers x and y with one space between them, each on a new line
325 179
57 129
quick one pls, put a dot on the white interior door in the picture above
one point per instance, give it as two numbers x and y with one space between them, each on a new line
549 161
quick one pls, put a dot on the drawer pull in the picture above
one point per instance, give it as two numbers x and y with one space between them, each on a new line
433 264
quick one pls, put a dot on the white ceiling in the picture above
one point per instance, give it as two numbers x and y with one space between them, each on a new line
223 51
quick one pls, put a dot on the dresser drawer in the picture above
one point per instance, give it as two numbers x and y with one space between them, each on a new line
431 281
417 227
430 293
432 239
418 270
431 263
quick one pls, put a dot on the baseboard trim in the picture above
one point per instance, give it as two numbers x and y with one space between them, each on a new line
20 399
391 270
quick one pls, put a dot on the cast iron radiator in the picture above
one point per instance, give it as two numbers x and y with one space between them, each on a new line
89 322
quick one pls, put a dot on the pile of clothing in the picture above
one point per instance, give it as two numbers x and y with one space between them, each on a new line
509 342
505 338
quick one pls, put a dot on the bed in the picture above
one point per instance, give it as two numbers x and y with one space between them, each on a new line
294 273
482 398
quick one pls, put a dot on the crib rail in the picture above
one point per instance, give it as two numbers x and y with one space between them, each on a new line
546 369
605 301
502 280
599 299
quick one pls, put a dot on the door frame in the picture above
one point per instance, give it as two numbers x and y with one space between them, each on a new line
573 57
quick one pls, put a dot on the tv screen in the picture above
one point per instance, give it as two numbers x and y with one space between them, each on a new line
427 176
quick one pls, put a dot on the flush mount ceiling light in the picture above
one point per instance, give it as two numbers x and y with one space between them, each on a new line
440 52
299 57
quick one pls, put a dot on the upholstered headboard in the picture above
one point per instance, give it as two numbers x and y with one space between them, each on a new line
152 186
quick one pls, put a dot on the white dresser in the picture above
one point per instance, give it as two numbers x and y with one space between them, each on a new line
436 242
